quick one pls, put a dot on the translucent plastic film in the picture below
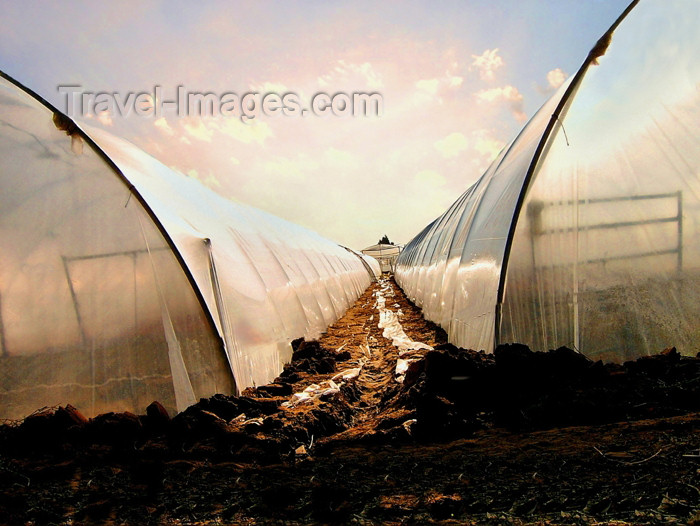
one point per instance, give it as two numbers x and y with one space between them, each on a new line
95 310
370 262
264 281
605 252
385 254
606 255
452 269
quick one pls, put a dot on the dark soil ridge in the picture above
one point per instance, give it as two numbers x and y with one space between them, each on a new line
449 396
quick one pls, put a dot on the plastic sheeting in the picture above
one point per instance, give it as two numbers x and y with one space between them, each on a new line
385 254
265 280
95 309
452 269
371 264
599 250
122 281
409 349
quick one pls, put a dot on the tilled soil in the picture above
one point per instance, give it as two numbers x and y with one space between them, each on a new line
458 437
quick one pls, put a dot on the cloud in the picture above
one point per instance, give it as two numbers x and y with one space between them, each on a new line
374 81
432 88
486 145
270 87
487 63
498 94
509 94
452 145
197 130
209 179
428 85
429 178
252 131
164 127
454 81
340 158
298 168
556 78
105 118
346 73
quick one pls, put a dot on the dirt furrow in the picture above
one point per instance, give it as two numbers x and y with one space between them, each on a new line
467 437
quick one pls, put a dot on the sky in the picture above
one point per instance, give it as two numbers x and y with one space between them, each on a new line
457 81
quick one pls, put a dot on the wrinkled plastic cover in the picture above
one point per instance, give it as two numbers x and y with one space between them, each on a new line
371 264
98 310
605 253
95 309
382 250
264 280
385 254
452 269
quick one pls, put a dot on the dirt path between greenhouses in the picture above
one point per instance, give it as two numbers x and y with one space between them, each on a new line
339 437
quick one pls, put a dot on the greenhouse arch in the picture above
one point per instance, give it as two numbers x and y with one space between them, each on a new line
124 282
583 230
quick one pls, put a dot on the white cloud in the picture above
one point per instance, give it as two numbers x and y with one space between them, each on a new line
486 145
286 168
487 63
556 78
252 131
340 158
164 127
209 179
454 81
197 130
429 90
452 145
509 94
270 87
345 72
500 93
105 118
428 85
374 81
429 178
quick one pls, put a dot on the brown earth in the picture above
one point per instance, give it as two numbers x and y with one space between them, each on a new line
514 437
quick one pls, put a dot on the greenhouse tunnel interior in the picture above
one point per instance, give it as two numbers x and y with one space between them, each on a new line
123 282
584 231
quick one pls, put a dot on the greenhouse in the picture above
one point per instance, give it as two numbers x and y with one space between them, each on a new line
385 254
584 231
124 282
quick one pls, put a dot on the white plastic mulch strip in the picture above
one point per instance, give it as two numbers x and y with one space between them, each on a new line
312 392
389 321
327 387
